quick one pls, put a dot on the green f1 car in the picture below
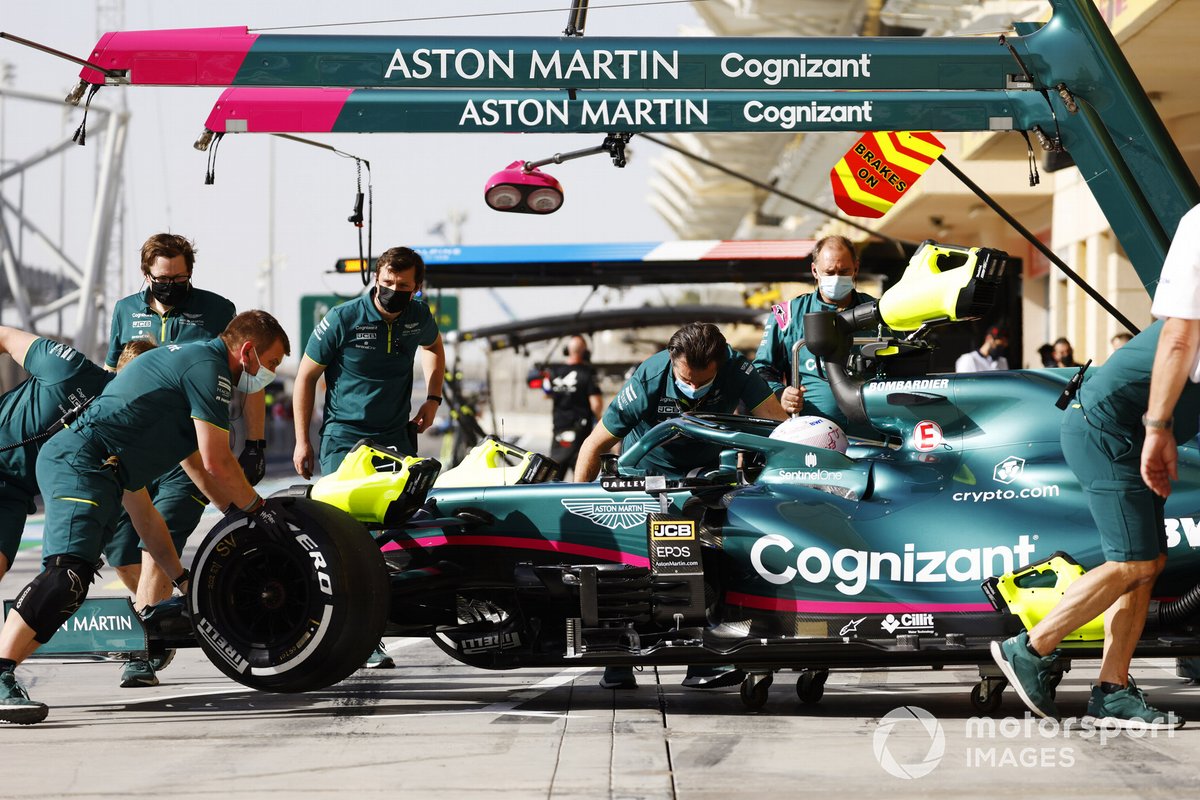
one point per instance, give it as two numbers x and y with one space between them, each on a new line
919 548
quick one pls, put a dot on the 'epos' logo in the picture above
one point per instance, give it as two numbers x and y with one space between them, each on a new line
672 529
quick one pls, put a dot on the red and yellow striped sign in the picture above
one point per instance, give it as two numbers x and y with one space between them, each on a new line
880 168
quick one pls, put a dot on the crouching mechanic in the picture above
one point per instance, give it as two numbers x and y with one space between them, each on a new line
698 372
1102 437
60 380
170 405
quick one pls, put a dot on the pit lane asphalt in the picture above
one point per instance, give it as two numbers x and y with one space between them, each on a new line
435 728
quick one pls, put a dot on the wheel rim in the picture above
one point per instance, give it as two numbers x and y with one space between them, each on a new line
270 598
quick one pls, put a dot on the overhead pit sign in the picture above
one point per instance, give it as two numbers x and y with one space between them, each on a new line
880 168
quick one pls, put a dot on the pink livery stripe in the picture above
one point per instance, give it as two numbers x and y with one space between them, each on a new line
839 607
521 543
185 57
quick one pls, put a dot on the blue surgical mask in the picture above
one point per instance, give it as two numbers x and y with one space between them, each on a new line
249 384
836 287
690 392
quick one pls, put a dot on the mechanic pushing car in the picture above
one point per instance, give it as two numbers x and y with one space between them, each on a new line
365 350
171 311
61 382
170 405
1103 433
834 268
698 372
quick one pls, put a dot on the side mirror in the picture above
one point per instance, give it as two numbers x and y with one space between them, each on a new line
608 465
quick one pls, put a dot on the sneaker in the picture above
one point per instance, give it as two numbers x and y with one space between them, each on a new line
138 672
618 678
15 705
159 661
379 659
1027 673
1127 708
713 677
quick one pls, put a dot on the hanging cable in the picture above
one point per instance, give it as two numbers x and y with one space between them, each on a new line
81 132
1034 177
210 176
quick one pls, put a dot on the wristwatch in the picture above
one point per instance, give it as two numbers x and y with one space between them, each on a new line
1157 424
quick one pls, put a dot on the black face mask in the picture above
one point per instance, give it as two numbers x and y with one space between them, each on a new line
170 294
390 300
999 352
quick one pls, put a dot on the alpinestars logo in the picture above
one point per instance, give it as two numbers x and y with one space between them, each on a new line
1009 470
611 514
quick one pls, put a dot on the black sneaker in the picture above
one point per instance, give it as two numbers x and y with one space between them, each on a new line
618 678
713 677
15 705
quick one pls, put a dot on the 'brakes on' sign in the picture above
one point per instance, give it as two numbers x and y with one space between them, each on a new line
880 168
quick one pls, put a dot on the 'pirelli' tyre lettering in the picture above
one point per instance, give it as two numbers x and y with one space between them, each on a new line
221 646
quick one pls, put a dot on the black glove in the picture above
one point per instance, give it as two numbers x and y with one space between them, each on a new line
273 517
253 460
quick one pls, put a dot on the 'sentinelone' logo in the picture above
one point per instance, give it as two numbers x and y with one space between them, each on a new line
905 731
810 459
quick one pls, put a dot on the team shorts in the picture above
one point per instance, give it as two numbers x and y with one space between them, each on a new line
1127 514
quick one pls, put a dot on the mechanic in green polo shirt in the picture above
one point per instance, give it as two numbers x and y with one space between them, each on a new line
1103 433
171 311
697 373
60 380
834 268
168 406
365 350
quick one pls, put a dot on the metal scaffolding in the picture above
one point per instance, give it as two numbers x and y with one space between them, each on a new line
38 291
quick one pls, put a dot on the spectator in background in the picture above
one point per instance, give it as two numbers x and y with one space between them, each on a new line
990 356
577 403
1119 341
1064 354
1046 353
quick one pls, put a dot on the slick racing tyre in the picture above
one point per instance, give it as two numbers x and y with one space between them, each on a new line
289 614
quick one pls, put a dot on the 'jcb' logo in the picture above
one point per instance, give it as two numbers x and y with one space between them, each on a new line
672 529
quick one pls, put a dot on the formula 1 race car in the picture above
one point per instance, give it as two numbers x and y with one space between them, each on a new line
918 548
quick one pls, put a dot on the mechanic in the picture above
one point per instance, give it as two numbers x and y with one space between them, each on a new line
834 268
577 400
698 372
171 311
365 350
991 355
1177 358
1102 436
170 405
60 380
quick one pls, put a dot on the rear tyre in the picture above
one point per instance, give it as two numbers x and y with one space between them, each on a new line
290 614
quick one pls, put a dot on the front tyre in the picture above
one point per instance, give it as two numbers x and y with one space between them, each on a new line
289 614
